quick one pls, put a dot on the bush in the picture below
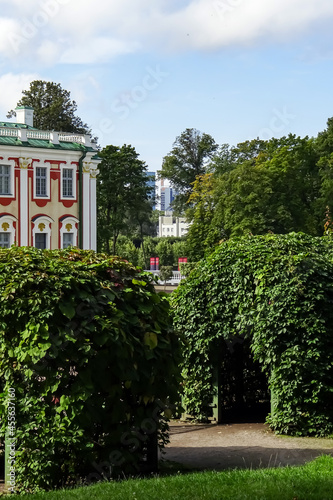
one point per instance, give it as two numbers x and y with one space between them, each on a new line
88 346
165 273
278 292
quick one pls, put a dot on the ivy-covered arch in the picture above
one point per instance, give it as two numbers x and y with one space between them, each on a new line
276 290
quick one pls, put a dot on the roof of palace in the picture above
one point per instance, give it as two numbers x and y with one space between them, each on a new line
20 134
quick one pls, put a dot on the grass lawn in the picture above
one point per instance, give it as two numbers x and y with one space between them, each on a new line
311 481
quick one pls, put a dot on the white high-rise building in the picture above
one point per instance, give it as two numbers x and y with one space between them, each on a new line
165 195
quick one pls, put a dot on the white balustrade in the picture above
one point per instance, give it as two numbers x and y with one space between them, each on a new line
8 132
45 135
38 134
71 138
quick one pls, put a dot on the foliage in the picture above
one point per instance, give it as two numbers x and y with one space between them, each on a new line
165 273
276 191
164 251
280 185
53 108
187 267
328 226
168 249
312 481
89 348
228 157
127 250
187 159
122 194
202 234
277 291
324 145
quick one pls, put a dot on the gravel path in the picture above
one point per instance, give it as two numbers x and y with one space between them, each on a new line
239 445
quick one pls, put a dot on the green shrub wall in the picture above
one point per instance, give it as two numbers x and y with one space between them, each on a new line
276 290
89 349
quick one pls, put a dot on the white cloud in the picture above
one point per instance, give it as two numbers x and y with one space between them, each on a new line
215 24
8 28
96 50
87 31
48 52
11 90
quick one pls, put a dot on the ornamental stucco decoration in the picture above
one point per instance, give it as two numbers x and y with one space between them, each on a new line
25 162
94 172
86 166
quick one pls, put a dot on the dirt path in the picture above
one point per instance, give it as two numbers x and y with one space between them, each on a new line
239 445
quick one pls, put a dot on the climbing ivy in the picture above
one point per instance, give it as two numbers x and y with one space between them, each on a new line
276 290
88 347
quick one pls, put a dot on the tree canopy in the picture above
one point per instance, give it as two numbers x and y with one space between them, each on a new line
53 108
122 194
278 186
187 159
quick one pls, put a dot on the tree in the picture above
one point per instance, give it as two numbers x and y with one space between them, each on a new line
164 251
187 159
275 191
202 234
324 145
228 157
53 108
122 193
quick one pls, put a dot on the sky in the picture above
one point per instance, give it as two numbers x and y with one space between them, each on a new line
142 71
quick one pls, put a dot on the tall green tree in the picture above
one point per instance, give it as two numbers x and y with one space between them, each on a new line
188 158
202 234
276 191
53 108
122 194
324 145
228 157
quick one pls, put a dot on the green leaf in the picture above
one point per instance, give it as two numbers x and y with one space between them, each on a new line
67 309
150 339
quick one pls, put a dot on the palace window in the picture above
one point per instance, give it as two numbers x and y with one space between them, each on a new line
41 231
40 240
41 181
4 240
67 240
68 232
7 230
67 182
5 180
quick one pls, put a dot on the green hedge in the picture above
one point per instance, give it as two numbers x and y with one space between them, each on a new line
89 349
277 291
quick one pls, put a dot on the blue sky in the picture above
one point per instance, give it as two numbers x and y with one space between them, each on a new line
141 71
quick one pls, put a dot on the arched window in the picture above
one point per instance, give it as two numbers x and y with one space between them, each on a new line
41 231
68 231
7 230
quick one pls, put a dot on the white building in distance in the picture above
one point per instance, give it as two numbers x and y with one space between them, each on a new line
172 226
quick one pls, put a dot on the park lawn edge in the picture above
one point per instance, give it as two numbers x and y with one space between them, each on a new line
312 481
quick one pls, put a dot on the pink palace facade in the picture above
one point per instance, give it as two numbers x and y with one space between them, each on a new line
47 186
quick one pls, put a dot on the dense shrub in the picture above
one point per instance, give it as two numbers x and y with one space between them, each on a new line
278 292
88 347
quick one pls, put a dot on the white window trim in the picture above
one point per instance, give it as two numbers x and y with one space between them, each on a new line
65 223
7 226
73 168
42 226
48 181
11 164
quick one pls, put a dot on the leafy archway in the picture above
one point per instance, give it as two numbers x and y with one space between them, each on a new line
276 291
